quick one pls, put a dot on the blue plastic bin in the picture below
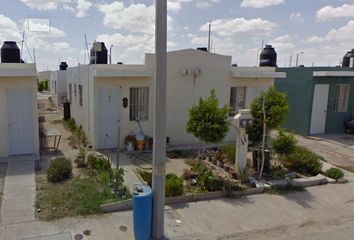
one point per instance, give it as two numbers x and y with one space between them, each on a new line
142 212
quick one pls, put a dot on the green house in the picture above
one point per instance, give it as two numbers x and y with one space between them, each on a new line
321 99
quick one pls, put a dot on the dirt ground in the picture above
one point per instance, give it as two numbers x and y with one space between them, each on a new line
53 116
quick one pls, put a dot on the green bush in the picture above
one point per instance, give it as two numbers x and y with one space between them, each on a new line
173 185
230 151
304 161
334 173
59 170
146 176
284 143
209 182
98 162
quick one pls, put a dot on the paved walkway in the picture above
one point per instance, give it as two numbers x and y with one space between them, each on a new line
337 149
19 192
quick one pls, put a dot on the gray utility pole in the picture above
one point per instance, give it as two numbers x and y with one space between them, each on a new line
209 36
297 58
160 121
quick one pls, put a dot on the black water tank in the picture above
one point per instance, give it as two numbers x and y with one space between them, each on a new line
99 57
10 53
348 59
268 57
204 49
63 66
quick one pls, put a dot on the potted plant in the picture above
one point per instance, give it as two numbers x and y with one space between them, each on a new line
216 157
130 141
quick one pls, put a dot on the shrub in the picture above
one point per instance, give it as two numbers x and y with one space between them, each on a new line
188 174
98 162
304 161
80 159
173 185
230 151
59 170
284 143
277 171
209 182
334 173
146 176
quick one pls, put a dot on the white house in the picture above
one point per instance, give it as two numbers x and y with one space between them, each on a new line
108 99
58 85
18 109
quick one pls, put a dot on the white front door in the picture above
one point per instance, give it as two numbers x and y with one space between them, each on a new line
319 109
20 121
109 102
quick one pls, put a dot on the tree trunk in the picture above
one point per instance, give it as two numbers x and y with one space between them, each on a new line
263 138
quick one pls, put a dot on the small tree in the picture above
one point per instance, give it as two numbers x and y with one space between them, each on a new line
269 111
207 121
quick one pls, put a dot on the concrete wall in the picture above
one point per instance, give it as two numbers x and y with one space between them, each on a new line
58 81
299 87
182 91
11 83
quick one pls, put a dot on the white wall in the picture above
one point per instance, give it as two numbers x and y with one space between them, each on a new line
11 82
182 91
58 88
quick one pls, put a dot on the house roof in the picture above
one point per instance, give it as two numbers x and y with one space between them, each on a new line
18 70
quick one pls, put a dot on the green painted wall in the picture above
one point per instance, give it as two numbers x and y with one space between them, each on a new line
299 87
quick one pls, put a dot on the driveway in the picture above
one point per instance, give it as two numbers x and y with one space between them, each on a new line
337 149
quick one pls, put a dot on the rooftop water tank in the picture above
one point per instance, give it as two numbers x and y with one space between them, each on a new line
204 49
63 66
98 53
268 57
10 53
348 59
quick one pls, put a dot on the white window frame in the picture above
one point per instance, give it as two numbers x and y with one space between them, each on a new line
237 99
139 103
341 98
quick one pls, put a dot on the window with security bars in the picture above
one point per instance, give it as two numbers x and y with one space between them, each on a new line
139 103
70 92
80 95
341 98
237 99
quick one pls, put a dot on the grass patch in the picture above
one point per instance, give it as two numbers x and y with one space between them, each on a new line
77 196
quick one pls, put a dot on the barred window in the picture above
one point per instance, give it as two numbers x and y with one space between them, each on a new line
341 98
237 99
70 92
80 95
139 103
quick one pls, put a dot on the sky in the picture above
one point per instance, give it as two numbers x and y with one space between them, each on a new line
318 32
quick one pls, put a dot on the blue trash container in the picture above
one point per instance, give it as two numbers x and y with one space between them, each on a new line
142 212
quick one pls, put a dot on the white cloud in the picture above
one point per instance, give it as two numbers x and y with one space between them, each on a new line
260 3
8 29
134 18
42 29
42 5
176 5
284 42
82 7
344 33
60 47
123 40
230 27
330 12
296 17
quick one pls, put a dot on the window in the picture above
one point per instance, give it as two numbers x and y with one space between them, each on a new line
70 92
75 91
341 98
139 103
80 95
237 99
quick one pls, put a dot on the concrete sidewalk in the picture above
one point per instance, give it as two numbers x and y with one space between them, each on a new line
19 192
